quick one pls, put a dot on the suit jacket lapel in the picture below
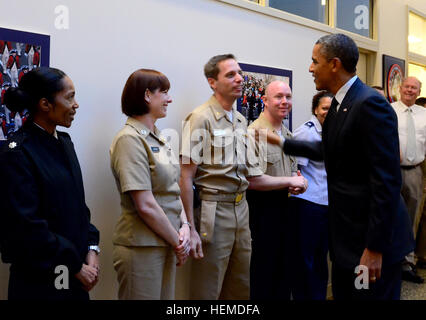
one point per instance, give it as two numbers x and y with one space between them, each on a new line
335 126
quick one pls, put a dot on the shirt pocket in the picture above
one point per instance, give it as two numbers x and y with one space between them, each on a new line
273 164
273 158
163 172
222 142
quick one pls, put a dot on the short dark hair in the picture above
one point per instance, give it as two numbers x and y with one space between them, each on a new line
421 101
317 99
342 47
133 97
34 85
211 69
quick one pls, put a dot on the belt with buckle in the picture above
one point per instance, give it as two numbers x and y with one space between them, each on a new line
239 197
411 167
222 197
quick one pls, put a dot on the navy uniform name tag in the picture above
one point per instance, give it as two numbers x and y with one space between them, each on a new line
155 149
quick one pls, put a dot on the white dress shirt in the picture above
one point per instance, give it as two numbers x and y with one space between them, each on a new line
419 116
340 95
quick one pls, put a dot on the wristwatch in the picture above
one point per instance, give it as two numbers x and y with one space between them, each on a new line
188 223
95 248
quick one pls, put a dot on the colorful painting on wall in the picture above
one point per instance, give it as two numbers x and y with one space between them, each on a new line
256 78
20 52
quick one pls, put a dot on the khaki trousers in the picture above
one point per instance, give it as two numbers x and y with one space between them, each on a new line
224 272
145 273
412 192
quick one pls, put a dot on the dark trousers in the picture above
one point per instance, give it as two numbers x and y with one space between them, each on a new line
388 287
269 271
28 285
309 242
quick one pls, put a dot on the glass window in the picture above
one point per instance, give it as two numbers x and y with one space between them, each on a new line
415 70
355 16
417 34
312 9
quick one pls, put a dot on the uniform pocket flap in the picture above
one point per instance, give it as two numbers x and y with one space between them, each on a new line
208 214
274 157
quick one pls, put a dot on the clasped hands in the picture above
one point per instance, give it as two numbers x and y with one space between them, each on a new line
89 273
183 249
300 184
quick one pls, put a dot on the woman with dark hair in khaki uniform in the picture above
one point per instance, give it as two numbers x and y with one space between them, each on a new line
152 231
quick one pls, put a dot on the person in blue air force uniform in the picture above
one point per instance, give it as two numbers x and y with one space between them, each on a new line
309 213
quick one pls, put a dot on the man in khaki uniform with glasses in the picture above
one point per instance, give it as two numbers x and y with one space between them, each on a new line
212 158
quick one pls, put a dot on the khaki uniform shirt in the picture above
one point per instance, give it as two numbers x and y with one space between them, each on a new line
217 146
142 160
272 160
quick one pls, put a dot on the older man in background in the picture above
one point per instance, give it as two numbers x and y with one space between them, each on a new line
412 139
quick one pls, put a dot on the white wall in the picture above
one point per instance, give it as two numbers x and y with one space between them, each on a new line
393 31
107 40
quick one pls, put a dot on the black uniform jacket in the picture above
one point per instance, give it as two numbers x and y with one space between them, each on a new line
360 148
44 220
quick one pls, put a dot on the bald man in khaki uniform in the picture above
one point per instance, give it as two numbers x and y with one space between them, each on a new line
268 201
212 158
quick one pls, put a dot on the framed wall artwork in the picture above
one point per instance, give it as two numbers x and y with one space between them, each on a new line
20 52
256 78
393 74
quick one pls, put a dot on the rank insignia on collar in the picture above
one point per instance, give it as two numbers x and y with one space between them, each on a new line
12 145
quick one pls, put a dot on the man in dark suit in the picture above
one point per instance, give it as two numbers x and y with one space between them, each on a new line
368 224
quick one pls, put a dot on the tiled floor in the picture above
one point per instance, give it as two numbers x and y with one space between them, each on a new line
413 291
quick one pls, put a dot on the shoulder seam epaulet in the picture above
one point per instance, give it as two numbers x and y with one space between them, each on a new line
309 124
15 141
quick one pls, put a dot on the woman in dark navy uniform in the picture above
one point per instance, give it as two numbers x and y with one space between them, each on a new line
45 230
